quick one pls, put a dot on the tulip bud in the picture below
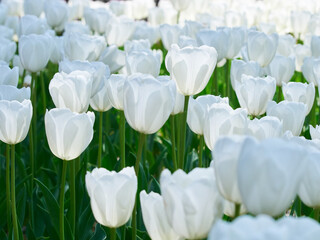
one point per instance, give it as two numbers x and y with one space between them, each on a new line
154 217
299 22
35 51
198 108
57 13
268 175
68 133
222 120
15 118
196 190
71 90
239 67
292 115
9 76
10 93
7 49
282 69
141 93
265 127
112 195
299 92
262 47
191 76
216 39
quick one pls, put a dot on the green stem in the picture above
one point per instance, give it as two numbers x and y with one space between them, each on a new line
178 127
31 150
316 214
8 185
43 91
201 145
100 138
237 207
173 142
13 195
183 124
72 182
178 17
142 138
113 234
279 95
298 209
61 200
122 132
312 114
77 165
215 83
33 89
227 80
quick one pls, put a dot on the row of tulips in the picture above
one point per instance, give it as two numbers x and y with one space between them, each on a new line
136 115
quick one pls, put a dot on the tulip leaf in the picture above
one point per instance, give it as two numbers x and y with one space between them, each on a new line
21 203
52 205
99 233
85 224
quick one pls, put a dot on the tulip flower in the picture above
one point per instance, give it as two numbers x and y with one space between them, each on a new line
145 31
299 92
68 133
222 120
15 118
33 7
286 45
145 61
265 127
113 57
311 69
225 163
35 51
10 93
76 27
9 76
97 19
239 67
262 47
268 175
57 13
119 30
301 53
196 190
154 217
30 24
233 210
139 92
170 34
57 54
180 5
309 188
71 90
254 93
264 227
83 47
315 49
216 39
7 49
98 71
282 69
191 80
137 45
6 32
314 132
292 115
198 109
299 22
236 39
112 195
